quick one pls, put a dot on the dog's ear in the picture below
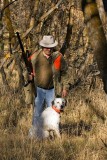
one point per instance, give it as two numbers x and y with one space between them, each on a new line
65 102
52 102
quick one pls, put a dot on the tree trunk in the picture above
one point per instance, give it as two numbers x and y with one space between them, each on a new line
102 15
2 44
96 36
13 41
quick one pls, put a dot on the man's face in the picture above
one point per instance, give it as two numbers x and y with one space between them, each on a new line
47 51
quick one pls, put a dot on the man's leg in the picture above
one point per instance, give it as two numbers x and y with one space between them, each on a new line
39 100
50 96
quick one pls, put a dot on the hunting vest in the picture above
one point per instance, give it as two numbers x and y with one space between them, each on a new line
51 74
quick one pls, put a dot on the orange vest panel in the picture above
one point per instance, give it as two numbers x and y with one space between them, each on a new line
57 62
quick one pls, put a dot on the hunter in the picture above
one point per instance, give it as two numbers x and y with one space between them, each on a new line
50 74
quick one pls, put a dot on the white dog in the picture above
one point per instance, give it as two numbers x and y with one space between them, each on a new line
49 120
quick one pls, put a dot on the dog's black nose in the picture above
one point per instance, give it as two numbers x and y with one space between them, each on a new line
62 106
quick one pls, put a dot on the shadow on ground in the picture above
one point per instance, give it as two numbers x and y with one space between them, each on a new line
75 129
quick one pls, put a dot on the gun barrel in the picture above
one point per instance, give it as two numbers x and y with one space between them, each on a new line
27 63
25 59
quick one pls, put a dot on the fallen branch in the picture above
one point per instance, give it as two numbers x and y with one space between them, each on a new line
75 85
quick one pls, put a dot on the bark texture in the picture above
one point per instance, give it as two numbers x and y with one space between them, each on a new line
96 36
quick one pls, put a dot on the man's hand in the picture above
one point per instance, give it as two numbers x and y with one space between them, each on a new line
64 93
30 77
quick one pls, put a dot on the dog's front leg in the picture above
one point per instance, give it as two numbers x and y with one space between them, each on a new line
57 133
45 134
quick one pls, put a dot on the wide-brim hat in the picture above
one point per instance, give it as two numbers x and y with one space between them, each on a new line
48 41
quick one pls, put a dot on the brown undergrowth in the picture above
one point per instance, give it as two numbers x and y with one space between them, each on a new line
83 128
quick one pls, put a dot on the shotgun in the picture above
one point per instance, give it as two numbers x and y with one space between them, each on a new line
25 59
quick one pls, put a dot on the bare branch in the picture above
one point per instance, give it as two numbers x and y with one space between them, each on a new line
29 30
50 11
8 5
42 17
1 31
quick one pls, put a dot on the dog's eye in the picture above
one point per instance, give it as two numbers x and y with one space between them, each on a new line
57 102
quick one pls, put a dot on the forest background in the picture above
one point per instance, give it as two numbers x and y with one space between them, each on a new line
83 124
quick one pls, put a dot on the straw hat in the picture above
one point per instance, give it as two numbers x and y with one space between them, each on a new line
48 42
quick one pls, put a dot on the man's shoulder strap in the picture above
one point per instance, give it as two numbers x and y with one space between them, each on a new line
56 54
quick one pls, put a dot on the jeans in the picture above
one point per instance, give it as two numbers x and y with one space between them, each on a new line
42 95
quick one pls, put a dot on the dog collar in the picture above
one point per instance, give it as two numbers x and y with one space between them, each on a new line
57 110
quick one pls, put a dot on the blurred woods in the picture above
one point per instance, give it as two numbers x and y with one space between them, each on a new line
66 21
80 27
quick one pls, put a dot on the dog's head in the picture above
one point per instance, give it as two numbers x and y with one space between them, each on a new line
59 103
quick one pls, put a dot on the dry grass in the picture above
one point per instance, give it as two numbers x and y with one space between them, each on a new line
83 129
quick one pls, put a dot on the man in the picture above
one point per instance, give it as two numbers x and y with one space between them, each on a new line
49 69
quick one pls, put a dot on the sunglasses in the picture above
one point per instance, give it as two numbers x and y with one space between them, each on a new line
48 48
